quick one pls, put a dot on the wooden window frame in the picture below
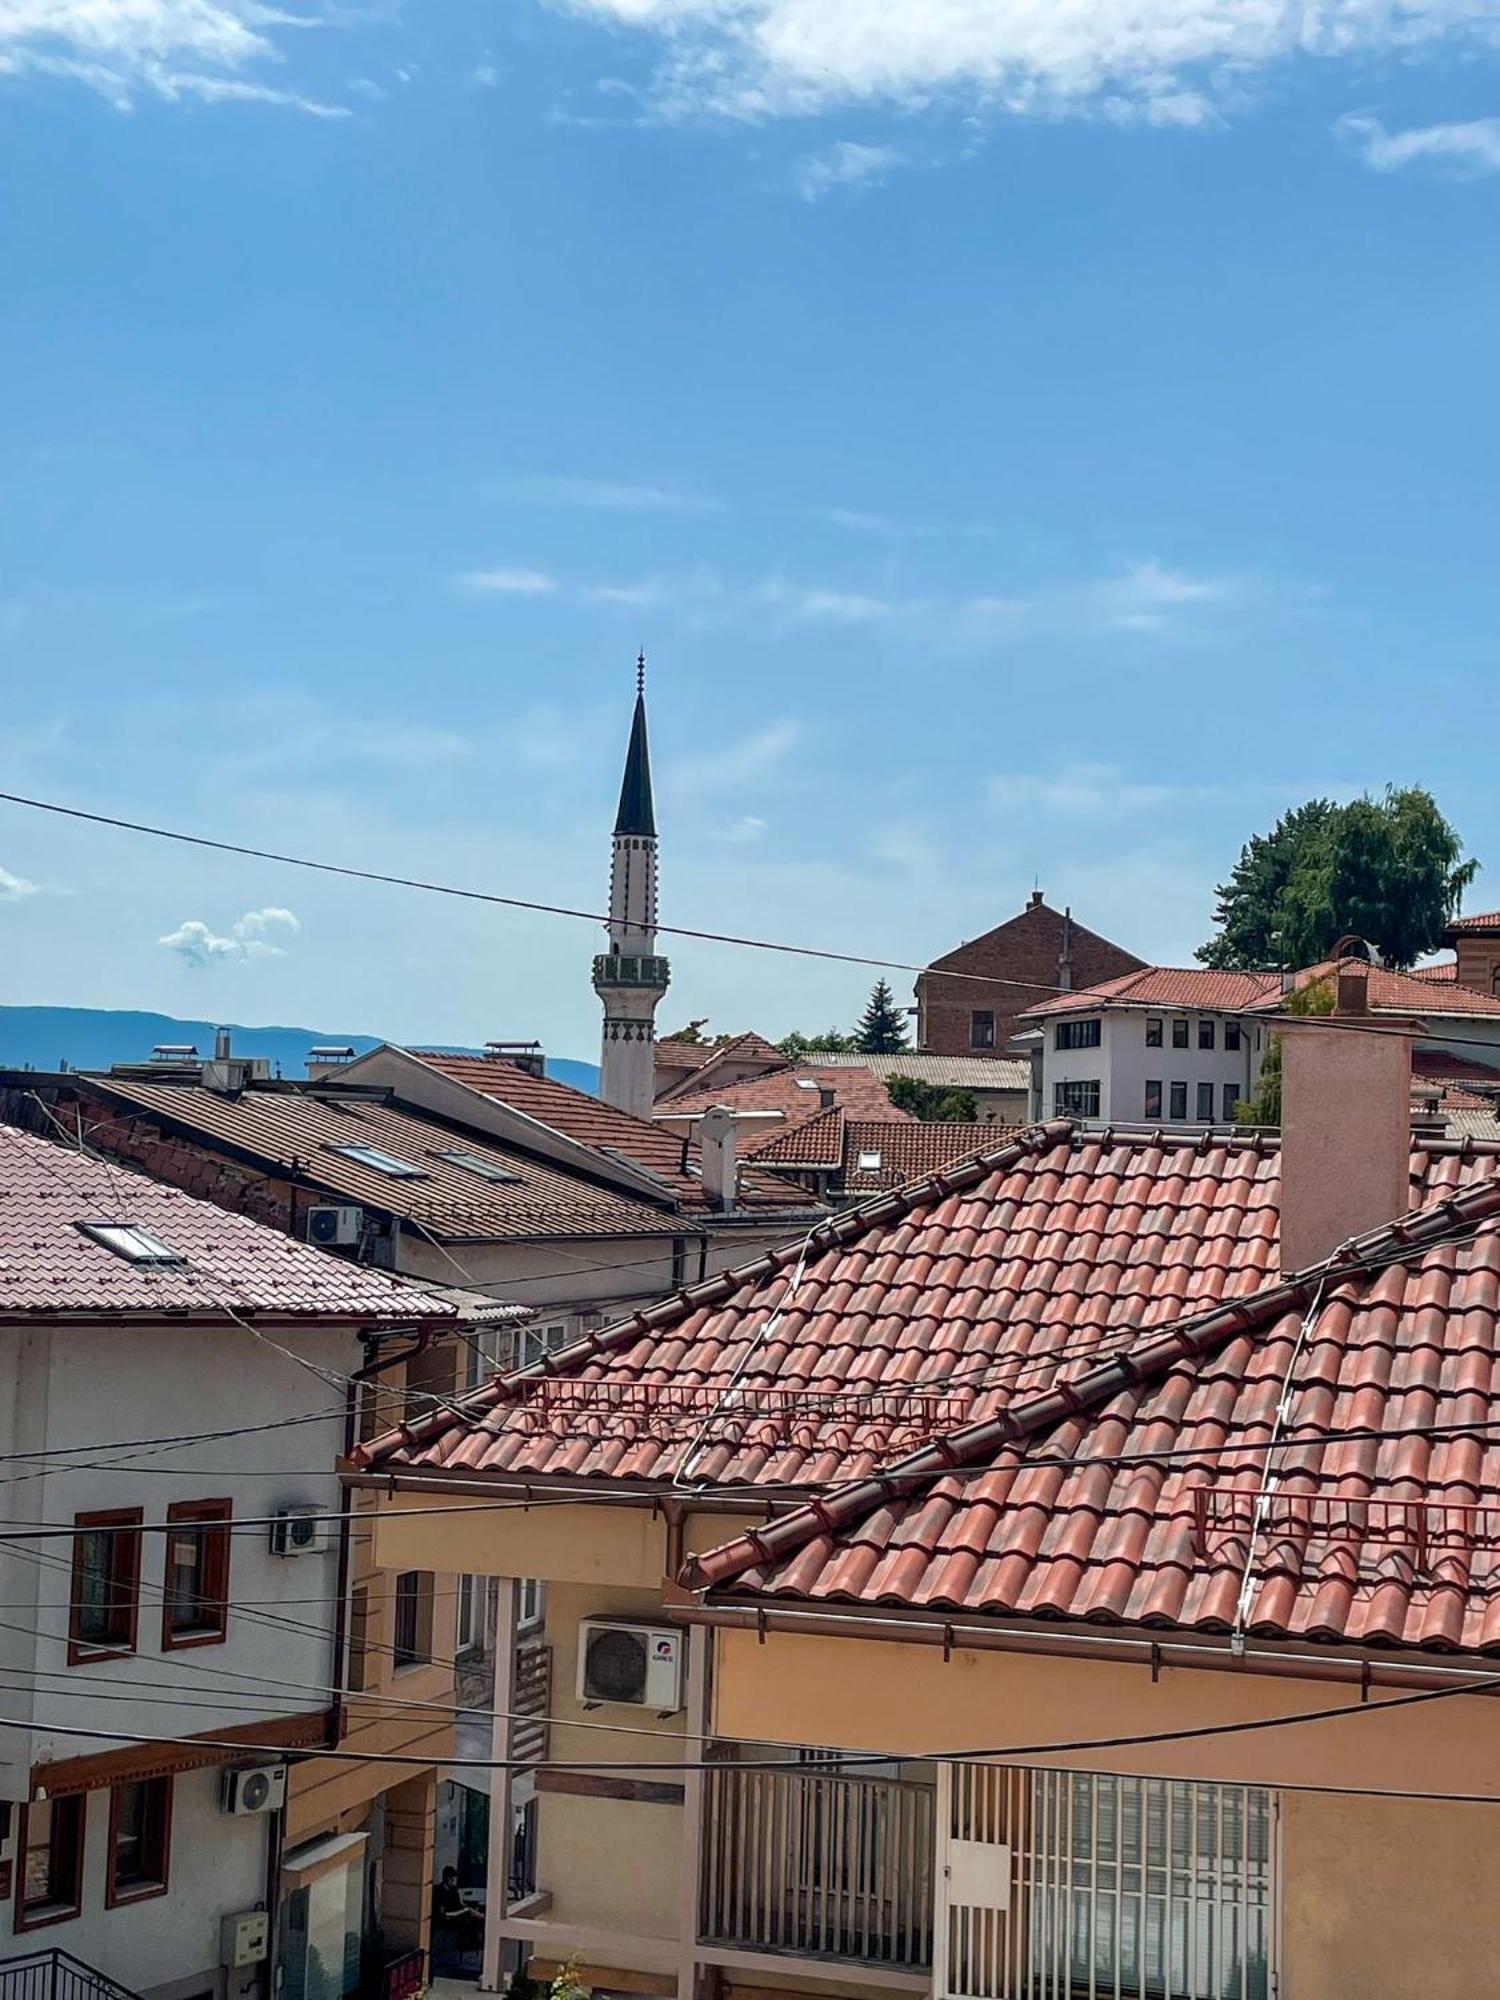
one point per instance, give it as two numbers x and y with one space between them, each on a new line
51 1913
114 1894
81 1651
215 1515
403 1659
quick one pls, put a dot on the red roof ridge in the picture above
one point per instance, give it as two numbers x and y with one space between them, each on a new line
1196 1336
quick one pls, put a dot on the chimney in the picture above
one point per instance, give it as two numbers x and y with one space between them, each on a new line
221 1045
1065 956
1345 1122
827 1097
716 1146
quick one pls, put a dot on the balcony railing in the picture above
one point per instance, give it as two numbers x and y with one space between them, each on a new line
818 1866
56 1975
628 969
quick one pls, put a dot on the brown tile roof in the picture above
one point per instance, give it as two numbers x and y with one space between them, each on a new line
747 1048
1442 1066
919 1313
1394 992
795 1090
1169 986
49 1267
280 1125
1482 922
970 1072
905 1152
1058 1506
1444 973
816 1144
656 1148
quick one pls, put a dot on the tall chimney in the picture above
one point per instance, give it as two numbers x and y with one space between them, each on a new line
221 1045
716 1147
1065 956
1345 1122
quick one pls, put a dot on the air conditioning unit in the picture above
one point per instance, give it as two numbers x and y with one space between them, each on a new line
335 1228
253 1788
637 1664
302 1531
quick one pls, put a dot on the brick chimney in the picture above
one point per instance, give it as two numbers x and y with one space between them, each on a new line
1345 1122
716 1150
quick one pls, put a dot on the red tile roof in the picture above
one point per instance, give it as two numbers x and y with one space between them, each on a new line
49 1267
906 1152
280 1124
1482 921
917 1313
748 1048
1058 1506
592 1122
1169 986
817 1144
1443 973
795 1090
1392 992
1442 1066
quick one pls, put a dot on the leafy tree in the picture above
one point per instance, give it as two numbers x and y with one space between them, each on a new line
881 1029
1264 1108
692 1034
1388 869
832 1041
931 1103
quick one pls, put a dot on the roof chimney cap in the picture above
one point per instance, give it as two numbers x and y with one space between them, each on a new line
1034 902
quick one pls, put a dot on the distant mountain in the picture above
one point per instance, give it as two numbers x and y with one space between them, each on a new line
94 1037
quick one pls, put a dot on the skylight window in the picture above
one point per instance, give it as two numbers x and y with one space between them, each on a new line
487 1170
869 1163
383 1163
806 1083
130 1241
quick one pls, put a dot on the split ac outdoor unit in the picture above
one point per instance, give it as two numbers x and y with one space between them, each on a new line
637 1664
301 1531
253 1788
335 1228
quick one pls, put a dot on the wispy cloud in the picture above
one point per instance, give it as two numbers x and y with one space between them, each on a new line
822 605
737 763
1144 596
203 50
1086 791
846 164
608 494
1469 148
688 588
1168 62
745 829
249 937
15 888
510 582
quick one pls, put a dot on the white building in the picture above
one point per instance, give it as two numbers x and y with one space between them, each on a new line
173 1390
1174 1045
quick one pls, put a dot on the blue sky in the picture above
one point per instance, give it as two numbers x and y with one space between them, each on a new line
1029 442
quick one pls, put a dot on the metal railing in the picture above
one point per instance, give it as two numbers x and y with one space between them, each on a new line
57 1975
817 1865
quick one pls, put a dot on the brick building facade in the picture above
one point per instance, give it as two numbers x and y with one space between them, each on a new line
1042 949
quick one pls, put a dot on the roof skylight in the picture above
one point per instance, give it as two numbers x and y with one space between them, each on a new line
383 1163
475 1163
869 1163
130 1241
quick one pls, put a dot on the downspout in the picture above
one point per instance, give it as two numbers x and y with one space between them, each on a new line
270 1966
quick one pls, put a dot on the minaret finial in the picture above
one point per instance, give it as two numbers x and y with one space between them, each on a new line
640 671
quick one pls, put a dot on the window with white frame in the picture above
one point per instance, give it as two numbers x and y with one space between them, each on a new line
1076 1098
535 1343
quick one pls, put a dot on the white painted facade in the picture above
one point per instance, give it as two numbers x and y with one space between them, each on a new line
1151 1065
108 1384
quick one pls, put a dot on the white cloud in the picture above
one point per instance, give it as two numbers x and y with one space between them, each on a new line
844 165
510 582
839 607
611 495
1163 60
172 49
248 937
745 829
1086 791
1470 148
763 750
1146 596
484 76
695 587
15 888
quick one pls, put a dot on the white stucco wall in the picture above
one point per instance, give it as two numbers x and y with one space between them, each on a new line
1123 1064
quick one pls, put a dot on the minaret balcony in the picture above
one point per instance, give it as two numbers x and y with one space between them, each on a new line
616 970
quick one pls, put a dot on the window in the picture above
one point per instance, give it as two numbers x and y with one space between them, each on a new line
473 1163
529 1605
1231 1034
1206 1103
195 1600
1180 1033
413 1636
1153 1099
1205 1032
1076 1099
106 1584
359 1638
1077 1034
383 1163
1178 1101
1231 1103
982 1028
536 1342
869 1163
140 1839
470 1633
51 1878
1153 1031
130 1241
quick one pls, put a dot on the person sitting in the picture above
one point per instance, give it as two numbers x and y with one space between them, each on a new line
452 1912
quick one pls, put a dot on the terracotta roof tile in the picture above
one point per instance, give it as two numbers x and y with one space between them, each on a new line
796 1090
881 1154
48 1266
1169 986
1482 921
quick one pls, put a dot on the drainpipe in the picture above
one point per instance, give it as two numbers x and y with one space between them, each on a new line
275 1844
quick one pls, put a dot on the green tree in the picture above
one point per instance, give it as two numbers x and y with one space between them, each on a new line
1390 870
1264 1108
881 1029
832 1041
931 1103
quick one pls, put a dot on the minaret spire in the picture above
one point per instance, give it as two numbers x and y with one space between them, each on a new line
629 978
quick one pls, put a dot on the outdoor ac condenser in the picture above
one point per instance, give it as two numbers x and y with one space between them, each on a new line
640 1665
